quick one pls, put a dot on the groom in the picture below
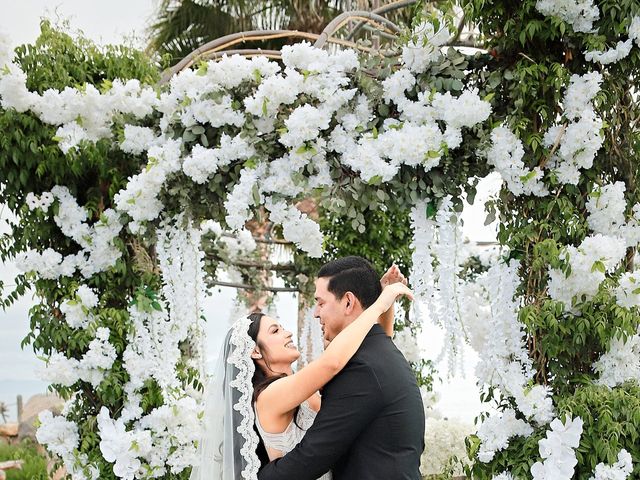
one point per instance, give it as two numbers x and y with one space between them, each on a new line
371 424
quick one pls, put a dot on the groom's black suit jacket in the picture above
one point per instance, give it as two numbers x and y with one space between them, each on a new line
370 426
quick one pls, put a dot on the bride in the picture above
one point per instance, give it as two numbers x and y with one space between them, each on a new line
254 389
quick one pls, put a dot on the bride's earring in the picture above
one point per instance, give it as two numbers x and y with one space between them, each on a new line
256 355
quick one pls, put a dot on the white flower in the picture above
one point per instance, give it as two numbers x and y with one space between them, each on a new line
116 445
618 471
273 92
424 47
621 363
304 57
503 476
558 451
580 14
466 110
13 90
580 93
536 403
634 29
58 434
203 162
61 370
613 55
304 124
98 359
395 86
628 291
87 296
606 207
137 139
407 343
297 227
443 440
70 136
589 262
505 154
495 432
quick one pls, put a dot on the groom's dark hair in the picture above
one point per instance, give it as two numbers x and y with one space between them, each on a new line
352 274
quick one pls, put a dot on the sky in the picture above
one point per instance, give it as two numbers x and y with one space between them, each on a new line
111 22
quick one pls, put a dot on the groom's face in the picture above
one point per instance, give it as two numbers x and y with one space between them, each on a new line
329 310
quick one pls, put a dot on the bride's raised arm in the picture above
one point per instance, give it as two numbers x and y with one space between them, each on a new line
391 276
287 393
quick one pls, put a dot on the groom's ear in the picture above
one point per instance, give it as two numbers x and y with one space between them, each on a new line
350 302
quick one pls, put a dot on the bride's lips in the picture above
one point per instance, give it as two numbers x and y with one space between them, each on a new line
290 344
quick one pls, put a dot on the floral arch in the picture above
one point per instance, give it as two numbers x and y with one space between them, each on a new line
112 177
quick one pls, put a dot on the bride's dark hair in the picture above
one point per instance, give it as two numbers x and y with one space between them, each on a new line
262 380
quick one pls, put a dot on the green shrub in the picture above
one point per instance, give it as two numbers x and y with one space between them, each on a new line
34 466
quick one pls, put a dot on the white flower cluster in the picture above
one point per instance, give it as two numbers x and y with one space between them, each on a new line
589 263
98 252
558 450
443 440
139 199
620 363
203 162
618 471
421 276
137 139
628 290
81 113
164 437
77 311
59 435
241 198
503 476
424 47
61 438
153 349
239 245
580 138
580 14
92 367
407 343
42 202
622 48
505 154
182 264
634 29
490 309
297 227
446 313
496 430
312 341
613 55
606 207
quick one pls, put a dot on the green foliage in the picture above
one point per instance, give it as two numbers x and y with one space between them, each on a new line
533 57
34 466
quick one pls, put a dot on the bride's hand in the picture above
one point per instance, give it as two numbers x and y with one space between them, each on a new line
390 294
393 275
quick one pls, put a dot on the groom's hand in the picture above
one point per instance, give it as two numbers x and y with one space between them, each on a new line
393 275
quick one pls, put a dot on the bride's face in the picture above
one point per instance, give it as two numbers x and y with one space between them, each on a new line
276 344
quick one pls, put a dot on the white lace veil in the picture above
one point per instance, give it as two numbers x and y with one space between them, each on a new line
228 447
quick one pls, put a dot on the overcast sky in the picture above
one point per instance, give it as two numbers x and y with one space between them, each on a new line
110 22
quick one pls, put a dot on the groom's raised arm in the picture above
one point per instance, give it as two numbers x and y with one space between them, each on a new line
350 402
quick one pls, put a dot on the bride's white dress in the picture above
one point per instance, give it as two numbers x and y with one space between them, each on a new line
279 444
